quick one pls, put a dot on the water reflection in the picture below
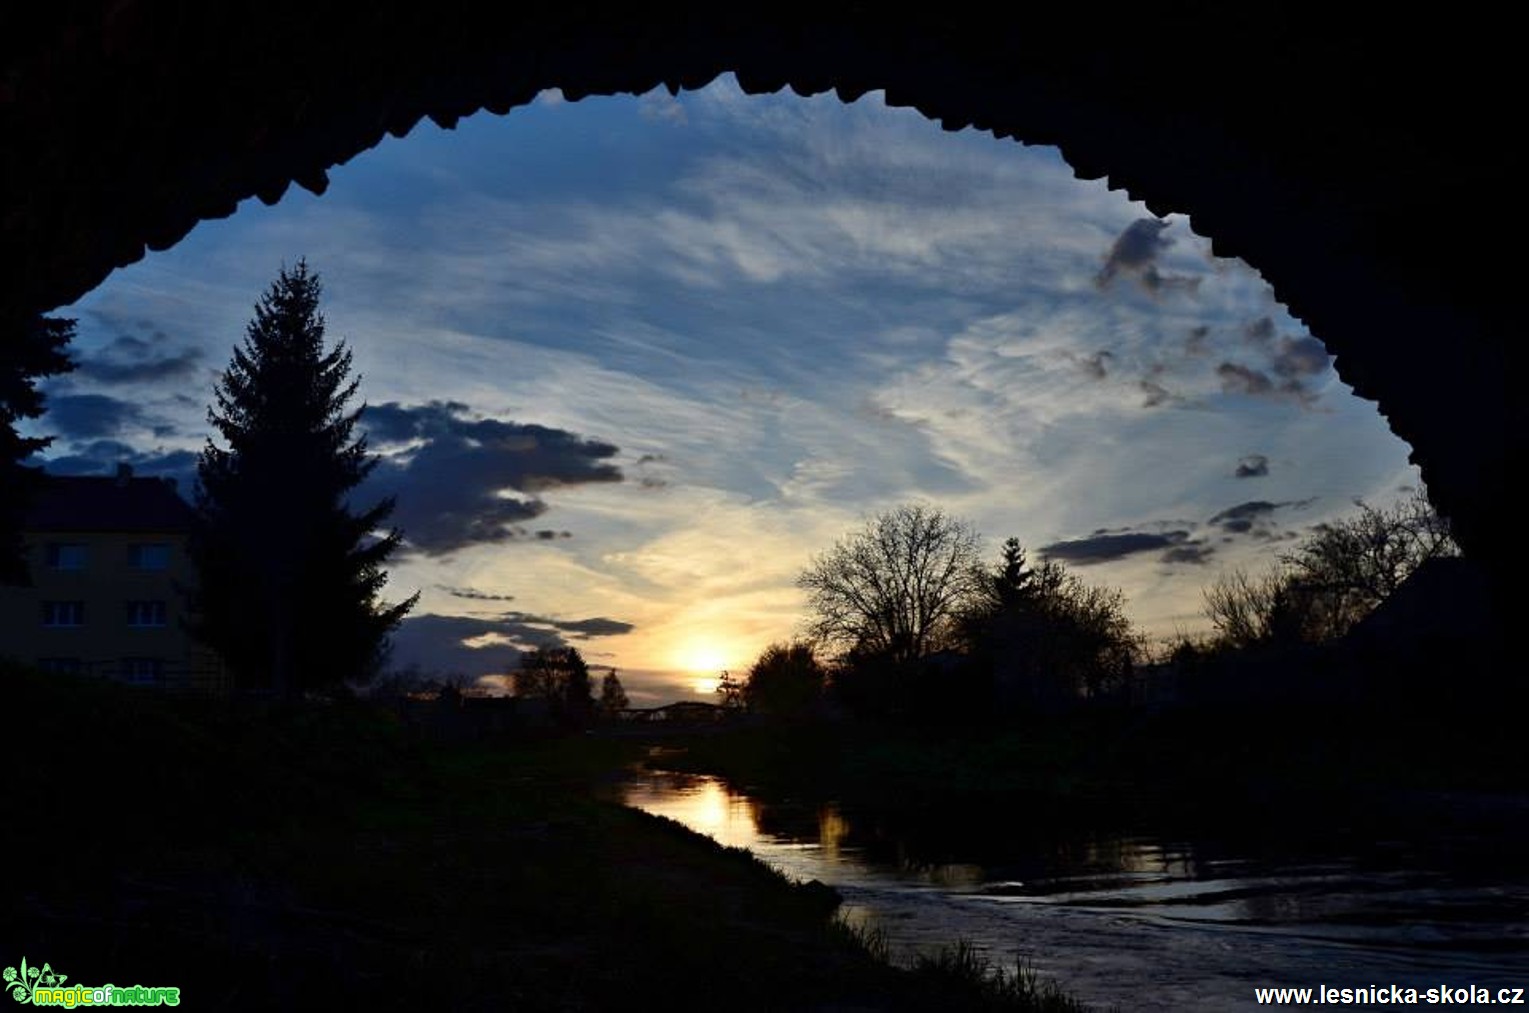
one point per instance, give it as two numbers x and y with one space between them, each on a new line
1141 919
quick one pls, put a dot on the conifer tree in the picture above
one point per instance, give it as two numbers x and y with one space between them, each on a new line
289 574
613 698
35 348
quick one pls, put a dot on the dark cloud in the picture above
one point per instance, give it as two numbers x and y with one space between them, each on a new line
129 359
1105 546
89 416
1241 518
1095 366
1191 553
1254 518
1298 357
455 482
1155 392
1253 466
1194 344
1290 361
438 644
393 423
583 629
472 594
1259 332
1134 254
1239 379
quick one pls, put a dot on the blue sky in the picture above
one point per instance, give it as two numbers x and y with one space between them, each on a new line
632 361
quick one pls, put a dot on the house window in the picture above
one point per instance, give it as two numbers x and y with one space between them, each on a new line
61 666
63 613
142 614
143 671
66 556
148 556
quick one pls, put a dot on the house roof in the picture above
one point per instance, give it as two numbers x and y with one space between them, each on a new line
107 503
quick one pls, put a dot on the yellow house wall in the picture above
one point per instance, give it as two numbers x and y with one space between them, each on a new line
106 584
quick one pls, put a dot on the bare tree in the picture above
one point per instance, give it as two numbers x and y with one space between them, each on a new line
896 587
1333 579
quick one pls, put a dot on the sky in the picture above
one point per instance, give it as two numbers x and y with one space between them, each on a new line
630 362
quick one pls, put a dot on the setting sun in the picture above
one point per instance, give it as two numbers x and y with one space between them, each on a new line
702 656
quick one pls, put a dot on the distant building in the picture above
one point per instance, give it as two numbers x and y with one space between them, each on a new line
109 577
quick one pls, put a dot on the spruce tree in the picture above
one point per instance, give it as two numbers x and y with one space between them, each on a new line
32 349
289 574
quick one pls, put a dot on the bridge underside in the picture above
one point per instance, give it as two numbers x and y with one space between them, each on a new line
1363 169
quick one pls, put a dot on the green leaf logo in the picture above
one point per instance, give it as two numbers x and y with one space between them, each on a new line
22 982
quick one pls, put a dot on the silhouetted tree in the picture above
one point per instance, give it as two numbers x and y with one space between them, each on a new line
289 576
559 676
1046 638
786 681
1335 577
730 693
613 698
1011 582
895 588
30 350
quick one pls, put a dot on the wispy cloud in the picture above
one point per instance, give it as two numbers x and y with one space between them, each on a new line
700 337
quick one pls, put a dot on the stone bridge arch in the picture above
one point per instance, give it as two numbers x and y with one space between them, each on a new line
1361 167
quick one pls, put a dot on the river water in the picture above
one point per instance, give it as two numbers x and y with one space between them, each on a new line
1142 919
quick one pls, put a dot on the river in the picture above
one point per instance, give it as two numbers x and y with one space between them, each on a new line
1141 918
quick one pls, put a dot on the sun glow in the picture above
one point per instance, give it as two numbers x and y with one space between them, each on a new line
705 661
702 656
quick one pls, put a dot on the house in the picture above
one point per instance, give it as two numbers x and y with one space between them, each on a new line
110 574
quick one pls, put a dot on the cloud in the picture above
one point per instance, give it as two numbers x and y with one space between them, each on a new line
1252 466
1194 344
1135 253
1239 379
88 416
1253 517
129 359
1104 546
1192 553
1291 359
1298 357
474 595
581 629
478 647
1155 393
1094 365
1259 332
658 106
453 475
1243 516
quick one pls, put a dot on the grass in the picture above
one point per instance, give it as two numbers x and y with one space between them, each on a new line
270 856
962 967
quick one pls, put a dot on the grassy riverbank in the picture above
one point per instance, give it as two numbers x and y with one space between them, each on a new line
273 857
